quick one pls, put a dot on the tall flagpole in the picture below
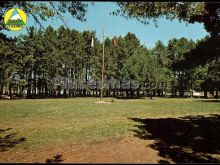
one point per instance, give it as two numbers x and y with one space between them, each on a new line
103 64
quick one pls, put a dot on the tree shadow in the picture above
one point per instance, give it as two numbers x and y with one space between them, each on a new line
164 162
9 140
127 98
211 101
56 159
189 139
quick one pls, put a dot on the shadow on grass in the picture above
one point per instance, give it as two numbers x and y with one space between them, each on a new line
56 159
190 139
211 101
9 140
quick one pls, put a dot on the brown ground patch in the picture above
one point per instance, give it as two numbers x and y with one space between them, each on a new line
127 150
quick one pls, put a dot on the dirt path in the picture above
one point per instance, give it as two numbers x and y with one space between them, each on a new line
127 150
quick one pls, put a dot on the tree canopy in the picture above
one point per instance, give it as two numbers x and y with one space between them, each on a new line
32 61
207 13
191 12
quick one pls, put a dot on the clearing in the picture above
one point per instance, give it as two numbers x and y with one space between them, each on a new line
123 131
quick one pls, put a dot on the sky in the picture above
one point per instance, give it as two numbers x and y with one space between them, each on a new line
98 17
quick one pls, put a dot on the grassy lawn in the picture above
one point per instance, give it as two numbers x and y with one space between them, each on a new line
76 120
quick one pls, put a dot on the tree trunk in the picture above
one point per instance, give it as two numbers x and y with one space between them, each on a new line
1 89
205 94
216 94
10 93
138 93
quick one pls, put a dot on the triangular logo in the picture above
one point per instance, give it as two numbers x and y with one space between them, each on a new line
15 19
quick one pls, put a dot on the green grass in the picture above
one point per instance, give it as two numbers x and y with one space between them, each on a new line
76 120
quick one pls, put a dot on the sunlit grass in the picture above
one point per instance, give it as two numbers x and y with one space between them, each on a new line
76 120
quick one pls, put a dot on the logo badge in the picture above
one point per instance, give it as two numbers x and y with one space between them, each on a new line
15 19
